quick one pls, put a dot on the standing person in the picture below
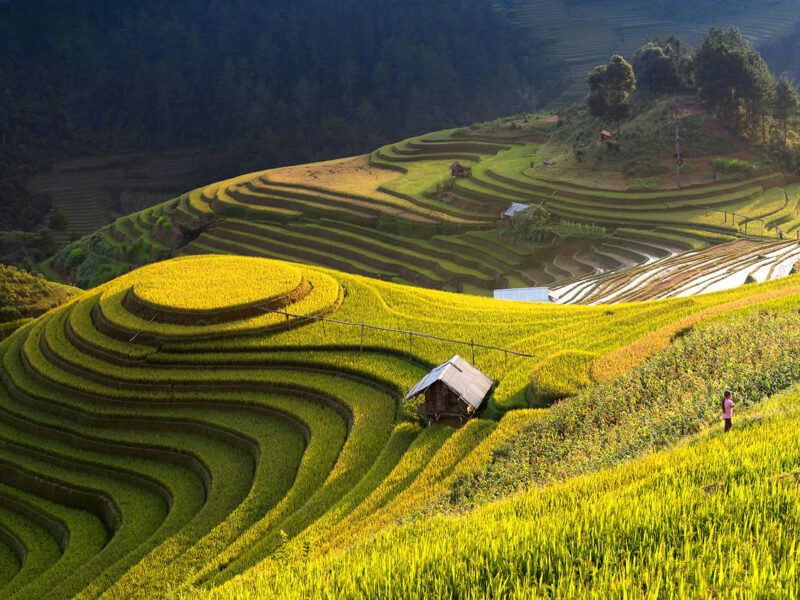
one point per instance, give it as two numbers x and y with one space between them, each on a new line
727 409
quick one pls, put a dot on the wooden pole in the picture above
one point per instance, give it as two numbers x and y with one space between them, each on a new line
362 337
288 325
677 148
472 343
410 343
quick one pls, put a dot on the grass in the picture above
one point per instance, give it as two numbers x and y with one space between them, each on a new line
216 440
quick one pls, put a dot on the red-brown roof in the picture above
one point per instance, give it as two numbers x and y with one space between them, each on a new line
606 133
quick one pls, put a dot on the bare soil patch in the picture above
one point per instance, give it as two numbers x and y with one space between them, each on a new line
721 131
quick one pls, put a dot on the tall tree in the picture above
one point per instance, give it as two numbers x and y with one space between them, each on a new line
731 75
663 65
787 102
609 90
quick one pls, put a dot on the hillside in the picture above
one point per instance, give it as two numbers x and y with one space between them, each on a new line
398 215
585 33
238 80
143 421
260 354
24 297
92 189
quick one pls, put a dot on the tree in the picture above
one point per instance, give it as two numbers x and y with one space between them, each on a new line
609 87
663 66
59 220
787 102
731 75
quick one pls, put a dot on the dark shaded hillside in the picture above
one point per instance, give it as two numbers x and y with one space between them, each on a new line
263 82
784 54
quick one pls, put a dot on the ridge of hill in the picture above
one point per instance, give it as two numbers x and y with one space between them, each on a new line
399 215
169 428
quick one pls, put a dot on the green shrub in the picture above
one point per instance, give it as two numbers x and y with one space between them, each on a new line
75 257
164 223
727 165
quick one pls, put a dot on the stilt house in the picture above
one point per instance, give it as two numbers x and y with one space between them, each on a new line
453 392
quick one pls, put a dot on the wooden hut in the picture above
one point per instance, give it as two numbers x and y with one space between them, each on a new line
606 135
453 392
457 169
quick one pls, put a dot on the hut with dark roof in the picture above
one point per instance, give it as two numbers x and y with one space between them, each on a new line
453 392
458 169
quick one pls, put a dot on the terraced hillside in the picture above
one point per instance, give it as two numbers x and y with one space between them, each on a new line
585 34
696 272
399 216
142 421
175 426
85 189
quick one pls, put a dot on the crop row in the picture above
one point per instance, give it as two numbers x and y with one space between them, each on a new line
266 476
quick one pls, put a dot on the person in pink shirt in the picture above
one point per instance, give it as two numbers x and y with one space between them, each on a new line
727 409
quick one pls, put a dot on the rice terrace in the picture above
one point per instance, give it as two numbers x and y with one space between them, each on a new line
458 300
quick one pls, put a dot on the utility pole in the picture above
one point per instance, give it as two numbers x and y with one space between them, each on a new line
678 159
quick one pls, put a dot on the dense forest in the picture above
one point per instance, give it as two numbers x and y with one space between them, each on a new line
261 83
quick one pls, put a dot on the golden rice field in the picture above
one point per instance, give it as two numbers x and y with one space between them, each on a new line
164 435
215 282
